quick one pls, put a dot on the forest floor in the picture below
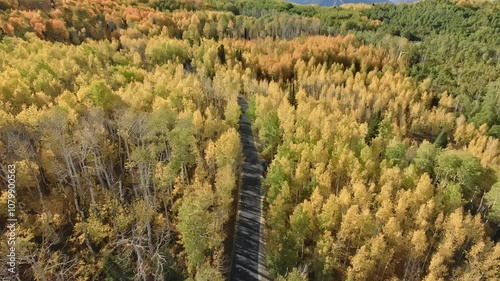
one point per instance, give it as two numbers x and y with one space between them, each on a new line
248 261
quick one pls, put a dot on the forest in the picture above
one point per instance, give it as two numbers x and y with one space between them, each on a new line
380 124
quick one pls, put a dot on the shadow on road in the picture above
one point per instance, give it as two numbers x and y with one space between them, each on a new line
248 258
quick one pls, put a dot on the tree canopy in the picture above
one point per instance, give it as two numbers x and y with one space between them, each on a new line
380 124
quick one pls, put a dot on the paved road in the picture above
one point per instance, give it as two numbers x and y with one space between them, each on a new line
248 260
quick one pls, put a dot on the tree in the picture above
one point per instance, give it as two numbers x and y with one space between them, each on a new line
55 30
300 227
269 134
232 113
442 140
482 261
331 215
489 112
425 158
453 197
361 265
196 224
221 53
395 153
294 275
455 235
463 169
100 95
373 127
160 50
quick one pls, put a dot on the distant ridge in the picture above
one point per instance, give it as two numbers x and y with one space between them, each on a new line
336 2
340 2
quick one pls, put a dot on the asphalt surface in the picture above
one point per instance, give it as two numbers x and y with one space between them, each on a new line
248 262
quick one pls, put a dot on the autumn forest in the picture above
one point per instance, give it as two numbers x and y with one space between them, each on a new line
379 124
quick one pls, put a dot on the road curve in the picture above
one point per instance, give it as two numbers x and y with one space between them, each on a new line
248 259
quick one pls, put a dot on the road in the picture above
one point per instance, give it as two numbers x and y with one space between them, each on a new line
248 262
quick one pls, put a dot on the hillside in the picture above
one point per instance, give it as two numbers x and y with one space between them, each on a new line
372 133
328 3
